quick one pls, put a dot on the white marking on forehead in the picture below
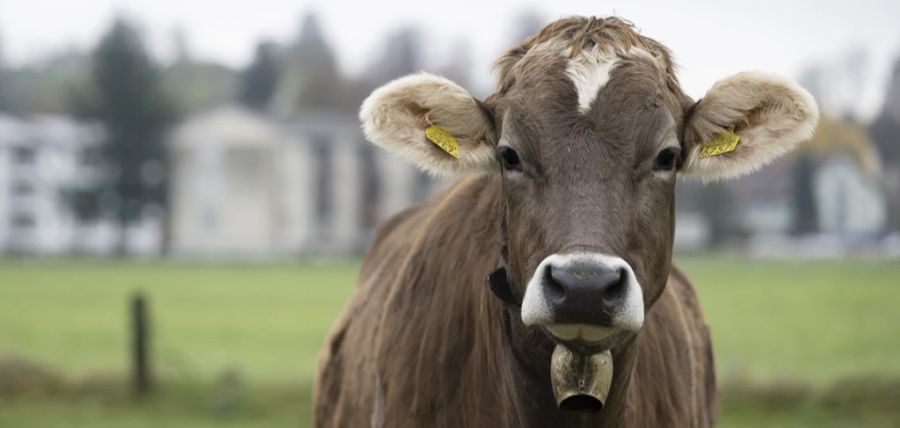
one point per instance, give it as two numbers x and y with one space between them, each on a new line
590 72
591 69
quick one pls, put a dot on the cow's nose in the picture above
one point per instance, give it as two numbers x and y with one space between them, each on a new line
585 293
575 294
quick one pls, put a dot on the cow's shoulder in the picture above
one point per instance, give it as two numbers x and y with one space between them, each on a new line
448 214
675 377
391 237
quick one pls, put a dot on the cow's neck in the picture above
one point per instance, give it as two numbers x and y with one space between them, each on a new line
530 352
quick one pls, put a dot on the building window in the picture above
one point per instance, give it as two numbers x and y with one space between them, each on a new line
24 155
323 181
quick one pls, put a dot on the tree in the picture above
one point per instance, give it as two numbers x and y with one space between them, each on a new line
885 131
311 78
401 56
43 86
3 78
837 84
126 97
715 203
259 80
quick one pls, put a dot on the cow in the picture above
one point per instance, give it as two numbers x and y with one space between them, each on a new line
538 289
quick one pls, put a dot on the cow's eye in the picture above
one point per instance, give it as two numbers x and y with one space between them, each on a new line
668 159
509 158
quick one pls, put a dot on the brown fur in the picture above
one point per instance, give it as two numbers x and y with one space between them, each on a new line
423 322
423 342
580 33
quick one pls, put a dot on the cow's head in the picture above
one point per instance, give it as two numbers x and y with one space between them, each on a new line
590 129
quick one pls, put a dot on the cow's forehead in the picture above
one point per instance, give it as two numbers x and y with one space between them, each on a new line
571 61
548 67
560 92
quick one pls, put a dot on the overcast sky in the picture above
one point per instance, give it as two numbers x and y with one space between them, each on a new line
709 38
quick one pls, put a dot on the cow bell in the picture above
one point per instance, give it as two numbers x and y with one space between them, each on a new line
580 382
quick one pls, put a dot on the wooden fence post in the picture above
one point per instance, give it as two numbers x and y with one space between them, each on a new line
140 345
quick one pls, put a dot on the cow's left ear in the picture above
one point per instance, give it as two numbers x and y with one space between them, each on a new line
765 115
432 122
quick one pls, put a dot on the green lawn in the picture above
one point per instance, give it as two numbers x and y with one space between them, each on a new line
247 336
266 321
815 321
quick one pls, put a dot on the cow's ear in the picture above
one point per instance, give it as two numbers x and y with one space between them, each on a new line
398 115
765 115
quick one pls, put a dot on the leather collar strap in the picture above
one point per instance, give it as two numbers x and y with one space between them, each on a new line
499 285
498 280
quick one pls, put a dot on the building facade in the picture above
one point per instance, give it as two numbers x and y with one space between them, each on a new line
40 157
246 184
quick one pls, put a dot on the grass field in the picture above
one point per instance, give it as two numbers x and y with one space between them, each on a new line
237 344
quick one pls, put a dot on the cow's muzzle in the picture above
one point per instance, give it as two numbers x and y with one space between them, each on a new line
583 297
580 382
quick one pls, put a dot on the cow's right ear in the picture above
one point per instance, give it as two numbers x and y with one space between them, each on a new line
397 115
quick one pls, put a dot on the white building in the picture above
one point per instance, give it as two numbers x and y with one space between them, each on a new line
850 200
40 157
241 185
245 184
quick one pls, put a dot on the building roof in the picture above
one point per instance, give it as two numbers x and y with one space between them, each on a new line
47 130
234 124
228 124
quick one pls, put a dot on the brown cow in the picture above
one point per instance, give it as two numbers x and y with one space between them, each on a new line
570 175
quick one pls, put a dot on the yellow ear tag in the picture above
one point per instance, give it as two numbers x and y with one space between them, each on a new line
443 139
720 144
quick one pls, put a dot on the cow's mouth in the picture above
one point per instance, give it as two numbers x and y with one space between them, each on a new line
580 332
585 339
580 381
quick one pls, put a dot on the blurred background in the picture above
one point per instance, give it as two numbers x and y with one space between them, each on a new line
185 195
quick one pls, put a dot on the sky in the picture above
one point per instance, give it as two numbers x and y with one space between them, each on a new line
710 39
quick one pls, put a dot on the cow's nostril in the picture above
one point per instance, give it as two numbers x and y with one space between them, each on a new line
616 289
554 289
